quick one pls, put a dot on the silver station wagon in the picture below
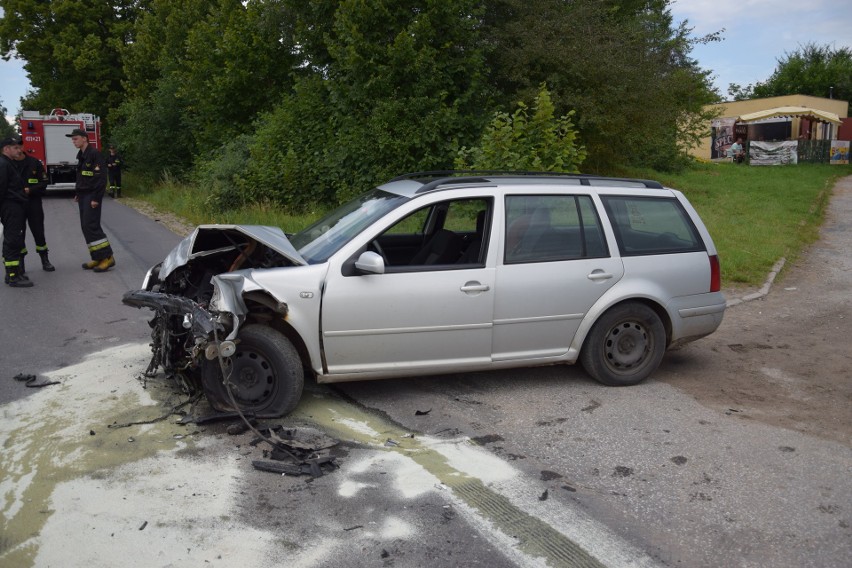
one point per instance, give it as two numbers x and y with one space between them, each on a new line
437 273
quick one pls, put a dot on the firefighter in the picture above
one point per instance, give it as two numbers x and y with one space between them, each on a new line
114 169
35 182
13 199
91 186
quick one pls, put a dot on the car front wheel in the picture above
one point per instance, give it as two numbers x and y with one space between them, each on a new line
265 375
625 345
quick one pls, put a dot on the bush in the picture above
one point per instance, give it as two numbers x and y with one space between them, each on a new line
222 176
523 143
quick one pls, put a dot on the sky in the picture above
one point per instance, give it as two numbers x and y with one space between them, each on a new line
760 32
757 34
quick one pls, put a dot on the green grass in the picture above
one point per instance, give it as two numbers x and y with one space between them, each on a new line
190 203
755 214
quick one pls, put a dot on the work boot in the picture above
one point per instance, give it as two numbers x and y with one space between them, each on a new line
13 279
105 264
91 264
45 262
118 191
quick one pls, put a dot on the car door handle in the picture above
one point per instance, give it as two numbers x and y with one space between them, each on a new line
475 287
599 274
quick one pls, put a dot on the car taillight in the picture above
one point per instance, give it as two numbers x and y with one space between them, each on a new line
715 274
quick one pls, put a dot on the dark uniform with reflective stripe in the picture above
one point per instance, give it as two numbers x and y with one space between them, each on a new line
91 186
35 178
114 167
13 203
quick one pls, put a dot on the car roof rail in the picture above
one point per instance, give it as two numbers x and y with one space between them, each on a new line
434 179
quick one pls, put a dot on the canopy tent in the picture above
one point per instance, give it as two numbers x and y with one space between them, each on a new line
790 111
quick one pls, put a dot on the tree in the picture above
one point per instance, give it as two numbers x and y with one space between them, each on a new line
520 142
623 66
405 85
386 86
212 67
152 132
737 92
239 59
159 46
72 50
819 71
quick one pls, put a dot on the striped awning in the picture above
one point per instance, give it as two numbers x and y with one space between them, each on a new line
791 111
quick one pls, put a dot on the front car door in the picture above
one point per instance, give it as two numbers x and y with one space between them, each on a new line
431 311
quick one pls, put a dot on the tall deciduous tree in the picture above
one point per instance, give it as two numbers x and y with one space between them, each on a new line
211 66
622 65
239 60
405 82
159 47
816 70
71 49
382 87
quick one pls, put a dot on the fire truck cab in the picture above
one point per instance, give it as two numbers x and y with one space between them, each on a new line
44 137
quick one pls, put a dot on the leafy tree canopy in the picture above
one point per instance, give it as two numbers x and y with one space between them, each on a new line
71 48
815 70
622 65
388 86
201 72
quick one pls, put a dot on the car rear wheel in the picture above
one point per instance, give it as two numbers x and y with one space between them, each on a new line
625 345
265 375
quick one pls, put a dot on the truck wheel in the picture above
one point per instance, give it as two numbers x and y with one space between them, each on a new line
625 345
265 375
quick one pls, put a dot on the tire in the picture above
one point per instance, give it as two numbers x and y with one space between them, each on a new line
625 345
266 375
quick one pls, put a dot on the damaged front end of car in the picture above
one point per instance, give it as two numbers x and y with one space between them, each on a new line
198 295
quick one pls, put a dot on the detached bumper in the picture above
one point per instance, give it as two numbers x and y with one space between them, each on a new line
195 318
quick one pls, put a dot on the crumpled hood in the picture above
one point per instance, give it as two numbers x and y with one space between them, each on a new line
206 239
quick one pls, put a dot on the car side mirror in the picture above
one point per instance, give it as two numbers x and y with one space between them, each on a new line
370 263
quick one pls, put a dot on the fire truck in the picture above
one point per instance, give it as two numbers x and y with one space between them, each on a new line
44 137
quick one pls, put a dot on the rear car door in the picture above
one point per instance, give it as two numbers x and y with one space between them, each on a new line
555 265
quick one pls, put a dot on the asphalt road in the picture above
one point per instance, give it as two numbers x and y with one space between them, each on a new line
72 312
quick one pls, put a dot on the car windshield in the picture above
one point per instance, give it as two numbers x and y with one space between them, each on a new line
322 239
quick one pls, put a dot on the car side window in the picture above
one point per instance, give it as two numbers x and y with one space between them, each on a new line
651 225
414 224
442 236
546 228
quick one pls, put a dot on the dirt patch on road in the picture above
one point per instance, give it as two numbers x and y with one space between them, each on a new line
785 359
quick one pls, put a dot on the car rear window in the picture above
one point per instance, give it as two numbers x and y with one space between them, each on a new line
651 225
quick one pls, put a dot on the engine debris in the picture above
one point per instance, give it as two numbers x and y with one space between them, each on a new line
31 381
304 450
